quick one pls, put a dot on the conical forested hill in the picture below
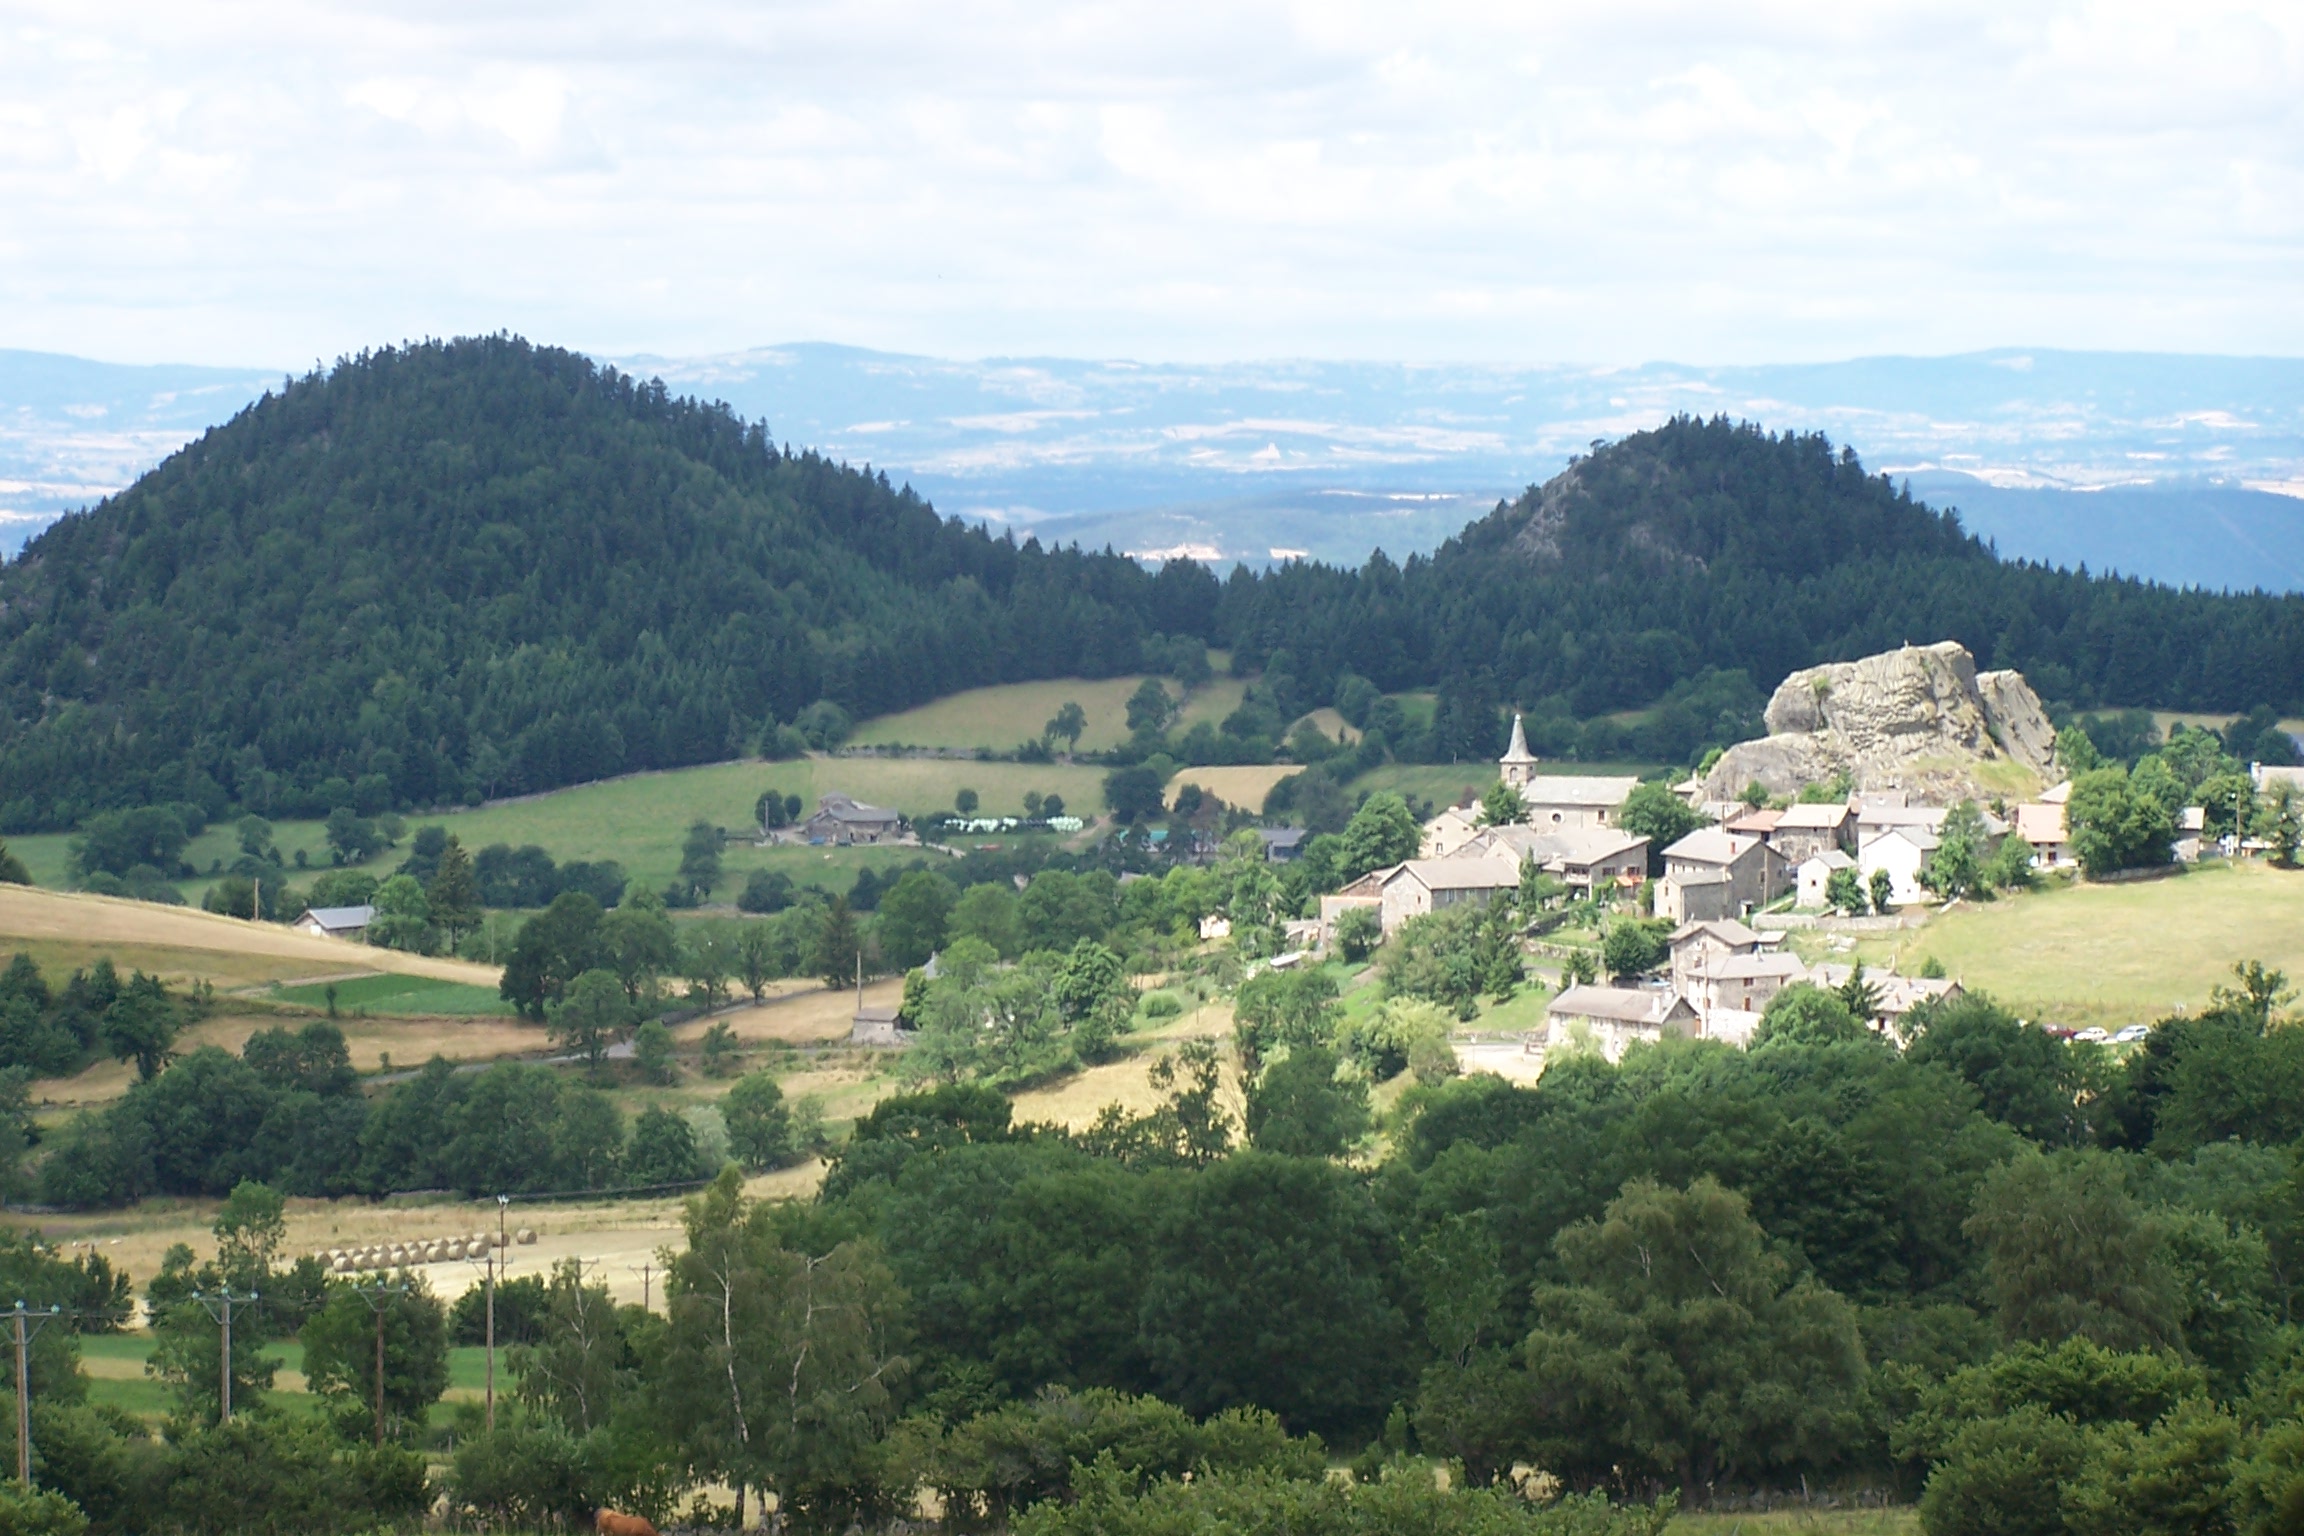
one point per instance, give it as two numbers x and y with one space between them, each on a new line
482 566
1711 544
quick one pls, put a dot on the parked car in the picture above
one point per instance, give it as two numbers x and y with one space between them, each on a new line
2131 1034
2092 1035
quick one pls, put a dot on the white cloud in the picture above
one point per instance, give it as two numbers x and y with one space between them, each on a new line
248 179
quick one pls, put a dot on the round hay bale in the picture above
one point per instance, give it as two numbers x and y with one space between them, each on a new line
435 1252
342 1266
524 1236
500 1240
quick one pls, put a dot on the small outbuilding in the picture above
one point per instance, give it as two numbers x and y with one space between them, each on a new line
337 922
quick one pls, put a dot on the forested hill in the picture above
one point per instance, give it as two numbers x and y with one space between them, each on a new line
482 566
1711 544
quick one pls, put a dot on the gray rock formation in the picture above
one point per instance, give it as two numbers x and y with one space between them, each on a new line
1920 719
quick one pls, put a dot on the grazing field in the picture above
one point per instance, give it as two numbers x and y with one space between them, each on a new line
2115 954
1004 717
638 820
396 994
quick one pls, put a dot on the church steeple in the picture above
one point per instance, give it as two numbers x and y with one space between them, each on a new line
1516 764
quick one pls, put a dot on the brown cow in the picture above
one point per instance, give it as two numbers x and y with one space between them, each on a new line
609 1523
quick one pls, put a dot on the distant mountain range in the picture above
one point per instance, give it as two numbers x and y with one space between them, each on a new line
2184 469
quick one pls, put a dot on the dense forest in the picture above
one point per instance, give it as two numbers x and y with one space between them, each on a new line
479 567
1711 545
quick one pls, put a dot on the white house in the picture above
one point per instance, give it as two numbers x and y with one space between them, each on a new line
1902 851
2041 825
1815 874
336 922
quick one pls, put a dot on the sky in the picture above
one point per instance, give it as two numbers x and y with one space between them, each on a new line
240 182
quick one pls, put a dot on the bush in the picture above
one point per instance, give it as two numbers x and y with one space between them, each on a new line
34 1512
1160 1005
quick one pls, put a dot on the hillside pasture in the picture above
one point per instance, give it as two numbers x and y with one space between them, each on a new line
1003 717
63 929
2115 954
638 820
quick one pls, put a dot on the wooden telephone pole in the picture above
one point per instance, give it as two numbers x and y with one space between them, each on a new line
24 1339
219 1307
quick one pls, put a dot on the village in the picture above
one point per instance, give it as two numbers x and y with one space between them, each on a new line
1738 887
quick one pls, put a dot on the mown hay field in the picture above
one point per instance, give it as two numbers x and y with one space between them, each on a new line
1003 717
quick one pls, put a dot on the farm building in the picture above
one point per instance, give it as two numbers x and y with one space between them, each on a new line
336 922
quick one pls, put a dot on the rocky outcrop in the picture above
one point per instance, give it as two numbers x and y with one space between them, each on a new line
1920 719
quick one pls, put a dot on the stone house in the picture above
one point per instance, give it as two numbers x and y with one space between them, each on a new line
1897 995
1738 983
876 1024
1694 943
842 821
1584 859
1713 873
1422 886
1449 831
1803 831
1608 1019
1559 800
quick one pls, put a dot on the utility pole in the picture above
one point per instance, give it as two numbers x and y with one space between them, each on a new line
24 1385
219 1307
496 1257
380 1298
645 1271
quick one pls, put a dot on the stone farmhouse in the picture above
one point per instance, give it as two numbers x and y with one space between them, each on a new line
841 821
1584 859
1608 1019
1714 873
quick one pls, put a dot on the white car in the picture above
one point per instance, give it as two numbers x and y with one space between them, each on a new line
2132 1034
2092 1035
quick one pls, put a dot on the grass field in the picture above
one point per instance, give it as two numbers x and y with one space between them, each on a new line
2115 954
1001 718
396 994
638 820
1897 1520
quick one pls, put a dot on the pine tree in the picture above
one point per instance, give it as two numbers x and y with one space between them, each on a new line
837 947
454 893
